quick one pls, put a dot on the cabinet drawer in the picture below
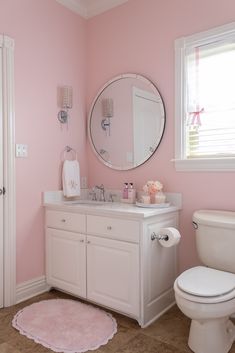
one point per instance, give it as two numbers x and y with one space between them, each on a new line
67 221
114 228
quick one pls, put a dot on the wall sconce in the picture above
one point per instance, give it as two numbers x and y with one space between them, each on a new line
66 103
107 112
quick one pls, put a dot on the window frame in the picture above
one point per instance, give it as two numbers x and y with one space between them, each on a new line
181 44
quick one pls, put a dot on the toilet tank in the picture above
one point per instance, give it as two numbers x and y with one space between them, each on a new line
215 238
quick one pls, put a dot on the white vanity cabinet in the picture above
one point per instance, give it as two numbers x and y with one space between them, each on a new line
110 259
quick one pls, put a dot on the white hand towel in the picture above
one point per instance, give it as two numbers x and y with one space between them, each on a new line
71 178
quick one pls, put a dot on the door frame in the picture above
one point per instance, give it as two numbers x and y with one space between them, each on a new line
9 213
148 96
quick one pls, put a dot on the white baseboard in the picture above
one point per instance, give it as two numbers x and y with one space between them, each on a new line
29 289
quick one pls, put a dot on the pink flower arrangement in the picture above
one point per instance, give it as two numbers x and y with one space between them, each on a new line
152 187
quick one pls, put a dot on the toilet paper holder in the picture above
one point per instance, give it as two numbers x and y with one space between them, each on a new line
159 236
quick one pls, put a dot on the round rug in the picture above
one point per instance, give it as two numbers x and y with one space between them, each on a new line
64 325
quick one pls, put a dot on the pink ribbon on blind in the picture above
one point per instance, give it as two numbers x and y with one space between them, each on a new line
196 119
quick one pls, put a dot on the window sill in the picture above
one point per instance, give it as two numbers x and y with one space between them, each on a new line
205 165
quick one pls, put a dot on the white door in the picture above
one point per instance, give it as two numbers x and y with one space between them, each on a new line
147 111
66 261
7 174
113 274
1 185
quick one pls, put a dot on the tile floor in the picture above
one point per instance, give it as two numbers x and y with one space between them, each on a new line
167 335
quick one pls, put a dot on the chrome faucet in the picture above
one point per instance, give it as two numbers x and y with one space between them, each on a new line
93 194
102 192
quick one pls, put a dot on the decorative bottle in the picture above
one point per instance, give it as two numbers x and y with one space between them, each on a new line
125 191
131 193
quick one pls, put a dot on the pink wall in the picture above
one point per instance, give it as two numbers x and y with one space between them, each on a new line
139 37
50 51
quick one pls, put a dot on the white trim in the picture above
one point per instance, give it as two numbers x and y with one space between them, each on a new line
1 185
181 162
217 33
88 9
179 99
29 289
9 171
205 165
157 316
98 7
75 6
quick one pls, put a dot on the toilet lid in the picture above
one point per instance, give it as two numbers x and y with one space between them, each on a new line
206 282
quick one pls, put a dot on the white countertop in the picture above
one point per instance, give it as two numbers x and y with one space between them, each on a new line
109 208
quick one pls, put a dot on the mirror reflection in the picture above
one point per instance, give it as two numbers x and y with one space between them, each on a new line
126 122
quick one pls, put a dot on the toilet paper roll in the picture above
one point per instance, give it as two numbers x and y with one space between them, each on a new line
173 237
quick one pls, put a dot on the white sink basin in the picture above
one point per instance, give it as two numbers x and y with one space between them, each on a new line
84 202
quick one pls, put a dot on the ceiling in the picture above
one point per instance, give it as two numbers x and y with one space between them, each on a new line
90 8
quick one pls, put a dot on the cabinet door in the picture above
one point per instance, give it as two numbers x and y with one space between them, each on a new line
66 261
113 274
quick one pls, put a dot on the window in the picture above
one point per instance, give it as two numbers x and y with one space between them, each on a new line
205 100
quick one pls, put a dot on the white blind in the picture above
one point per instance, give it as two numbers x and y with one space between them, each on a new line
210 92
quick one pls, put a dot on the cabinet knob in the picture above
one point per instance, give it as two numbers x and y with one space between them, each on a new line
81 240
63 220
88 242
109 227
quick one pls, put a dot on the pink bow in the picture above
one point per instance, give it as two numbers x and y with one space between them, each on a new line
196 117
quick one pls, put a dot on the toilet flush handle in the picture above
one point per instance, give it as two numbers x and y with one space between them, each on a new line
195 225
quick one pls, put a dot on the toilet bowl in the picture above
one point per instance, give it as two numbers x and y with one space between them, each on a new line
207 297
206 294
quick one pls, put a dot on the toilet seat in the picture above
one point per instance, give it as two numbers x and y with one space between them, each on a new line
205 285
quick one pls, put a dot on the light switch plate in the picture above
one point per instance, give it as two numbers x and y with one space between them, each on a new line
21 150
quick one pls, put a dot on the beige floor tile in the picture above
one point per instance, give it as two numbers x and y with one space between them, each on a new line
167 335
144 344
6 348
172 327
122 337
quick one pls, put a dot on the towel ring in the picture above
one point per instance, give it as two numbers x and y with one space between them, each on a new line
71 150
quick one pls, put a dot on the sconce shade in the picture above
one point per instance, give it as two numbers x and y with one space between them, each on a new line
67 97
107 107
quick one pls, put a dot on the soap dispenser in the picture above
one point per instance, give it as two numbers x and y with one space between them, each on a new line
131 193
125 191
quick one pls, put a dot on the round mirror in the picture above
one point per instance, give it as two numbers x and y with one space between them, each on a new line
126 121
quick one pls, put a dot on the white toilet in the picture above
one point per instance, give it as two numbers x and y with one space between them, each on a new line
206 294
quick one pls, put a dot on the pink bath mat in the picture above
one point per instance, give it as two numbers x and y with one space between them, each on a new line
65 325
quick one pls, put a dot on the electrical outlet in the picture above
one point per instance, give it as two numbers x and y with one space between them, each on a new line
84 182
21 150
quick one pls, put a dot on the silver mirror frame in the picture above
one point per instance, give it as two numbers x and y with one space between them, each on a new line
108 83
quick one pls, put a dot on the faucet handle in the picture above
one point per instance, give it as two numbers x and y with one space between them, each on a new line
93 194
